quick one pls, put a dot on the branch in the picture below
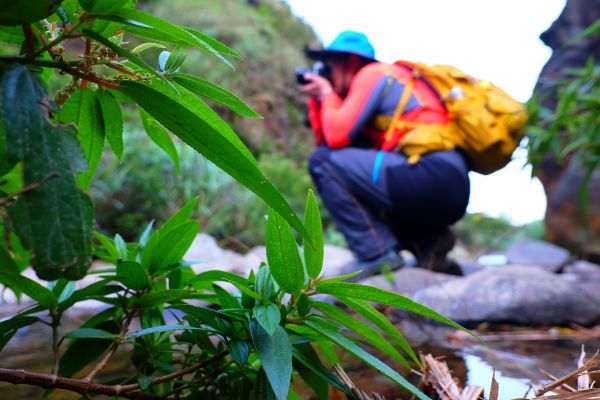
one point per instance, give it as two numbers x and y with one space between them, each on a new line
19 376
29 44
29 188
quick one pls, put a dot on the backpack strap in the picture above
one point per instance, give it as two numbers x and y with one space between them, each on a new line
389 134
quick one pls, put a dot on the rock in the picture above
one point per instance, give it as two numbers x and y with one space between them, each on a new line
584 271
537 253
407 281
566 223
208 255
469 267
511 294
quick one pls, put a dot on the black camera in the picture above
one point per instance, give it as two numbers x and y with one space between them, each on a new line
318 69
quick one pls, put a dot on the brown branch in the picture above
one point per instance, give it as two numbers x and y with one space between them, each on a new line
29 43
29 188
86 53
21 377
121 68
592 362
17 377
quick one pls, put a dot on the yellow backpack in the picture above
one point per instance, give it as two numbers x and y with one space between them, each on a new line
484 121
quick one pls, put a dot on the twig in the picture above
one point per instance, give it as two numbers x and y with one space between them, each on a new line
86 53
29 44
81 386
111 351
29 188
65 34
55 343
592 362
566 386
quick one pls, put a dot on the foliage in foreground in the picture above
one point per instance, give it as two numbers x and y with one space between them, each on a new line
221 345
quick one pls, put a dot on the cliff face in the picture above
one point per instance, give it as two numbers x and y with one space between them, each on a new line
565 221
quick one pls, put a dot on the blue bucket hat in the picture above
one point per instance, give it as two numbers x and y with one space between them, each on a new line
347 42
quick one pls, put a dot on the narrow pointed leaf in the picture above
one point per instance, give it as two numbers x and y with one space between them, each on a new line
113 121
313 253
165 296
370 293
132 275
29 287
217 275
263 389
378 319
275 354
159 135
306 355
123 53
172 246
182 216
282 254
373 337
91 333
239 351
149 26
216 93
201 130
146 46
371 360
268 316
161 328
176 59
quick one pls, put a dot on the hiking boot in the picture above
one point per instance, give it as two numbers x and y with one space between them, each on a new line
390 261
433 254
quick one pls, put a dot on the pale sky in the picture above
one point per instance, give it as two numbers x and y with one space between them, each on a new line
492 40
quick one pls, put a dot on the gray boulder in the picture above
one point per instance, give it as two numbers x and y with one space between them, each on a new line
407 281
511 294
537 254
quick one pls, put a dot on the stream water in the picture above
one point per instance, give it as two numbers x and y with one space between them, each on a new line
517 364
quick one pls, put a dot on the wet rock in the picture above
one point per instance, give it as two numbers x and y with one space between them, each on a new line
537 253
407 281
511 294
584 270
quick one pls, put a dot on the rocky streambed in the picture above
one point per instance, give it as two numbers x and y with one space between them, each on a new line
527 304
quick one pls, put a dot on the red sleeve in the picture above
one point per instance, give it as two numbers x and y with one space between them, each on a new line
343 119
314 118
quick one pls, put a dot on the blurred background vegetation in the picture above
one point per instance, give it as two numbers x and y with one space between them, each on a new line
145 185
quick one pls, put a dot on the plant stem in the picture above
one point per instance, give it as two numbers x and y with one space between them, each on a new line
55 342
19 376
29 44
29 188
65 34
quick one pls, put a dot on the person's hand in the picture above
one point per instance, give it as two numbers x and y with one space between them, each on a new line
317 86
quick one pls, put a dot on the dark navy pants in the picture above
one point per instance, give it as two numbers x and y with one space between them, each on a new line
380 202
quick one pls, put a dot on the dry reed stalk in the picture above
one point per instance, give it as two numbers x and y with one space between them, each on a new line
439 377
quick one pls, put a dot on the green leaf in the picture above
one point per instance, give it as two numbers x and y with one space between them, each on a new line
212 42
312 379
245 290
113 121
29 287
162 328
372 361
341 277
313 254
159 135
370 293
282 254
83 109
216 275
124 53
198 126
180 217
144 381
303 304
239 351
268 316
379 320
275 354
373 337
107 244
307 356
94 290
216 93
263 389
172 246
121 246
83 351
54 220
16 323
176 59
103 6
149 26
91 333
146 46
165 296
132 275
